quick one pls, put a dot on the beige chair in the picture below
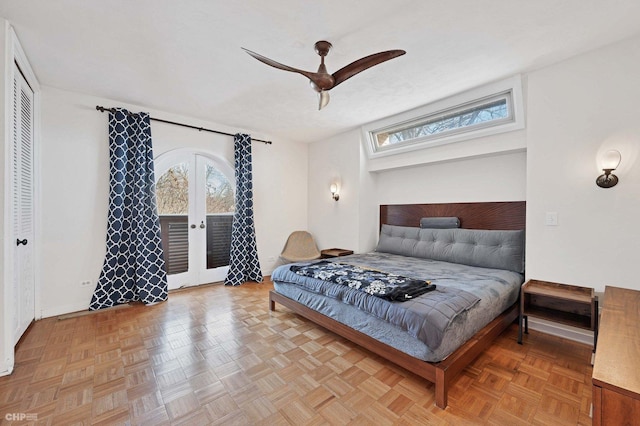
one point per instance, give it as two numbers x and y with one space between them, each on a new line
300 246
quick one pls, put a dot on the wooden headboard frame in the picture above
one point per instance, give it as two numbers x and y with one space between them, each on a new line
506 215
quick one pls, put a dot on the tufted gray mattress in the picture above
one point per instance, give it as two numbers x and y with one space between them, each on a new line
487 292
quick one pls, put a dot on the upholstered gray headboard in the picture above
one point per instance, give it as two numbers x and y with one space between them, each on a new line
484 248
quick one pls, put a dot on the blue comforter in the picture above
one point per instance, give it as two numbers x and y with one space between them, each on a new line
425 317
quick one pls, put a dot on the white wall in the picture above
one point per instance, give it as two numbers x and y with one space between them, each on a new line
499 177
335 223
369 214
75 159
353 223
578 109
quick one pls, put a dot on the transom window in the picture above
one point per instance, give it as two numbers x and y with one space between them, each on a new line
484 113
480 112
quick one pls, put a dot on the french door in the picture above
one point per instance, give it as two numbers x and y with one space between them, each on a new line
195 203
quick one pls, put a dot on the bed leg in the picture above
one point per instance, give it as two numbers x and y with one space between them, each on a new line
272 304
441 389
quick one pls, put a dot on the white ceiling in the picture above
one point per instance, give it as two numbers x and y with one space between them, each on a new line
185 56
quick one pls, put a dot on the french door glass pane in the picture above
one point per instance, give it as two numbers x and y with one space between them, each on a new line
220 205
172 194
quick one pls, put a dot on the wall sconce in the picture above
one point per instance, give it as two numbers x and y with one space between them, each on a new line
334 191
610 161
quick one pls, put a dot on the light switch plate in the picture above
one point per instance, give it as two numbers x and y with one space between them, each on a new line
551 219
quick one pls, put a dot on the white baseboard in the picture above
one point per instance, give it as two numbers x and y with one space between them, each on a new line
561 330
64 309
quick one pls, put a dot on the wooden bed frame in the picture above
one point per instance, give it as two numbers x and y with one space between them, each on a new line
493 215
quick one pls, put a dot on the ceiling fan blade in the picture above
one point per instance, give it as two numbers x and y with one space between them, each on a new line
321 81
271 62
362 64
323 99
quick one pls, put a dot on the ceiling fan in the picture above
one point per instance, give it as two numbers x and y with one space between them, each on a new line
322 81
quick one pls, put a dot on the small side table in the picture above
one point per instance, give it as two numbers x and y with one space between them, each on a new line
566 304
334 252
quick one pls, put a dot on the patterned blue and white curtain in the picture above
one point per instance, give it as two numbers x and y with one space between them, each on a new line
133 267
243 263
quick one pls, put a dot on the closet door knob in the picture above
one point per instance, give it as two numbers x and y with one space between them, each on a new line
202 225
193 226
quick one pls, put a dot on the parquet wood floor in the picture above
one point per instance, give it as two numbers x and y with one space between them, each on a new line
216 355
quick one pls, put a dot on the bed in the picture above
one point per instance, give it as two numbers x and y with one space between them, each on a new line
476 270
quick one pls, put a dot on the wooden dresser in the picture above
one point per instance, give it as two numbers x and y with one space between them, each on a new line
616 370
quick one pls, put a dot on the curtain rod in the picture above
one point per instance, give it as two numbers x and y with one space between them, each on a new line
201 129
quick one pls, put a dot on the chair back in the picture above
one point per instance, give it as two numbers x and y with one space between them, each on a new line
300 246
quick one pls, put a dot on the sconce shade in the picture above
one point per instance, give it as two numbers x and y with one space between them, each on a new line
611 160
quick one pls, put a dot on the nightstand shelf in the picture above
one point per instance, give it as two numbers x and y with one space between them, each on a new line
335 252
562 303
567 318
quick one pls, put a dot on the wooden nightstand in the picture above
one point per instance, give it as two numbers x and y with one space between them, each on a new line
334 252
562 303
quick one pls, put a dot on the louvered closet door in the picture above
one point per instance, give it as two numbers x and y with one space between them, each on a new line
22 206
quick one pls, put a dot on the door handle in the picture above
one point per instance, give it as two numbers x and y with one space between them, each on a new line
202 225
193 226
19 241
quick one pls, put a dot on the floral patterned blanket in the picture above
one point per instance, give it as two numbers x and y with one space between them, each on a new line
377 283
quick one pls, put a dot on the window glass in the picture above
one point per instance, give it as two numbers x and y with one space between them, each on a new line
493 111
219 196
220 204
172 190
172 197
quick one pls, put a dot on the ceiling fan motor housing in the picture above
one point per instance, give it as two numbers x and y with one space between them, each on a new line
323 47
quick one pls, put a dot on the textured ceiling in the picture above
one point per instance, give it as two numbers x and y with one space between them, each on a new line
185 56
